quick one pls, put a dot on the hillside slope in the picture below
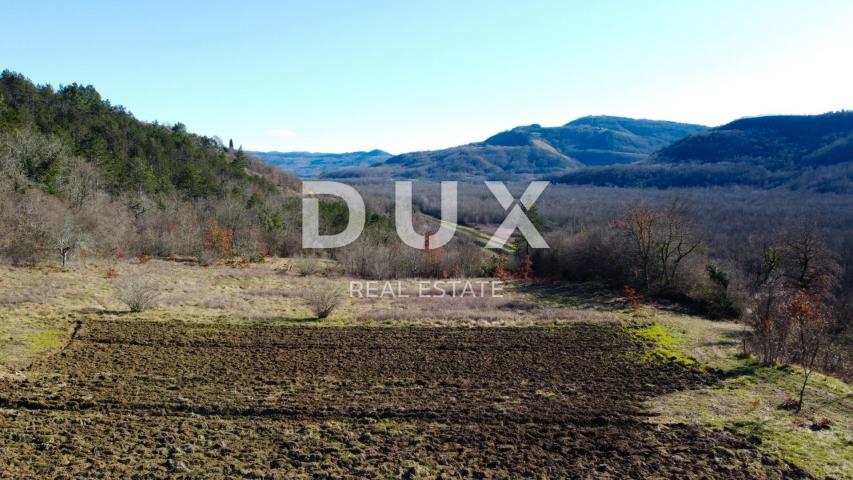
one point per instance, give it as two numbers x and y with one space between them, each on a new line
600 140
43 129
535 151
773 142
313 165
797 151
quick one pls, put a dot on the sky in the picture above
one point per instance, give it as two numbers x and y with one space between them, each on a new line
336 76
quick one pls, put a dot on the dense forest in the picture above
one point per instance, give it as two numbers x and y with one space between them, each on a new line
129 155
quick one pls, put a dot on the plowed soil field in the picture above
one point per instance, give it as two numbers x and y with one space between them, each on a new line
130 399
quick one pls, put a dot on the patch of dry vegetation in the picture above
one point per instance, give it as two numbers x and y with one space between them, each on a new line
515 309
37 300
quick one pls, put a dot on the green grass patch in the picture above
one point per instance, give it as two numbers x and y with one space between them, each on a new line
40 341
747 397
748 404
664 345
833 458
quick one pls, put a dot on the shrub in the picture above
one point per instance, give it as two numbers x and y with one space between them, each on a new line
634 299
323 298
207 257
500 269
306 266
218 239
137 292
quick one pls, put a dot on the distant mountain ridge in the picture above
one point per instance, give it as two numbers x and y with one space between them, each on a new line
774 142
798 151
535 151
313 164
601 140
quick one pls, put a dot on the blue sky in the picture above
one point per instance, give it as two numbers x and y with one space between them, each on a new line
405 75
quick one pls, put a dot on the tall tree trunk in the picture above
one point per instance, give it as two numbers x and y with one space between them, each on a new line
806 374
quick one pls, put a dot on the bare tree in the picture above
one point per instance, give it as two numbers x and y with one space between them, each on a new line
78 182
810 322
65 238
792 299
809 265
677 240
659 241
769 326
638 227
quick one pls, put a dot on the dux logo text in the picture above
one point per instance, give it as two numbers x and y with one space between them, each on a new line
515 219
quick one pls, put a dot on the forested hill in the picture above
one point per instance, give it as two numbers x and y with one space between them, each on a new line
535 151
78 174
796 151
47 127
773 142
601 140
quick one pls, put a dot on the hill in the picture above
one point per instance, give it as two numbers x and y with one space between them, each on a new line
79 175
600 140
796 151
535 151
313 165
50 127
773 142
